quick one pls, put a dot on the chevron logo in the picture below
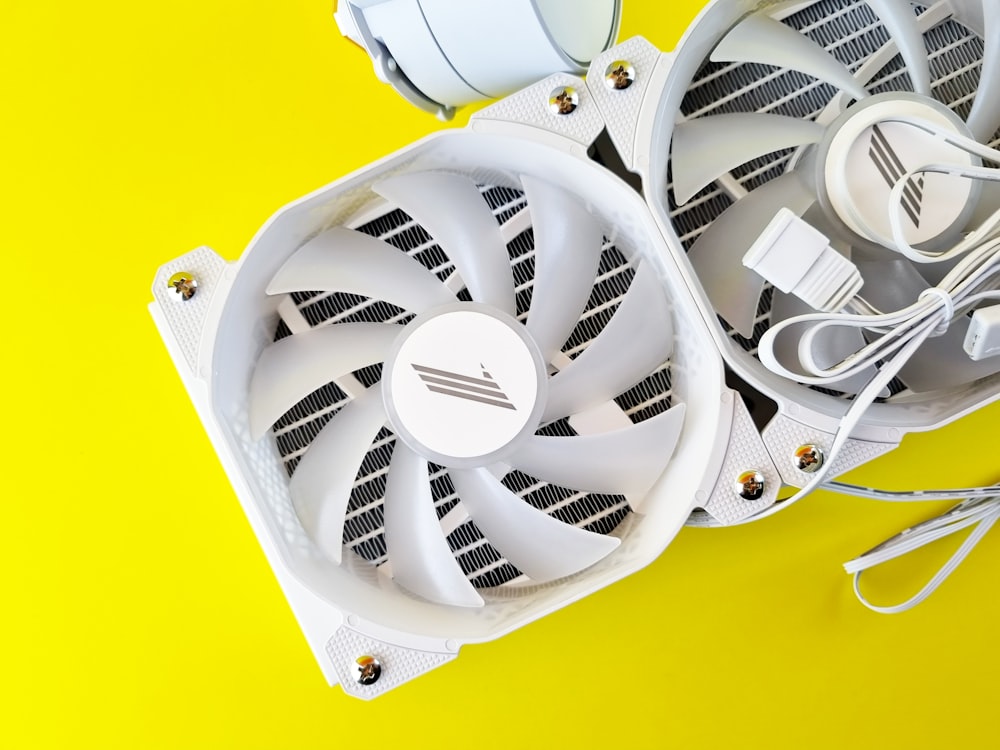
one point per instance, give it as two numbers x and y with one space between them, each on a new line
892 170
484 390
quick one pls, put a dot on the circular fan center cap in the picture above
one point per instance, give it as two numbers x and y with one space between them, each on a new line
463 383
874 146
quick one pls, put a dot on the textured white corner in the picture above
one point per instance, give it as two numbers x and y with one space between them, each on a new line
620 108
530 107
746 451
186 318
783 436
399 665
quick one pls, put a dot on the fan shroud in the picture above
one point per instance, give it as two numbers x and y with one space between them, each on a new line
685 84
242 320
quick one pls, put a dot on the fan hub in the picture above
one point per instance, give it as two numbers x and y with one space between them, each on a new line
463 383
873 146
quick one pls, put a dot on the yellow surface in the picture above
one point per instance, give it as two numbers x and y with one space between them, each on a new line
138 609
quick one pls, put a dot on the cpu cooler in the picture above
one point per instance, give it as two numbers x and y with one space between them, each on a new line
460 389
813 164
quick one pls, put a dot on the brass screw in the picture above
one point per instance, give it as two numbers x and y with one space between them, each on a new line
750 485
619 75
809 458
564 100
369 669
184 283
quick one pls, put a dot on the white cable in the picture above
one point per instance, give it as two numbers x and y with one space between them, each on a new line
850 420
912 496
984 232
973 280
979 512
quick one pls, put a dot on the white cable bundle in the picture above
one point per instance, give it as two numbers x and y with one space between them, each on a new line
980 512
975 279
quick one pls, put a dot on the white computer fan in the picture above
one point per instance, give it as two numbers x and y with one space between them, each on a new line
818 108
459 389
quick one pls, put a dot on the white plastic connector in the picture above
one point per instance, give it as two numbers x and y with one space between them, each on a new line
983 337
798 259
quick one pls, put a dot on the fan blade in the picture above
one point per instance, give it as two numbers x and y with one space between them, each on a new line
626 461
706 148
343 260
568 242
717 256
540 546
761 39
833 344
290 369
452 209
984 119
321 485
637 339
419 554
898 18
940 362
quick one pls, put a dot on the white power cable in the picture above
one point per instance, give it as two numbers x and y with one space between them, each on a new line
958 292
912 496
853 416
981 512
973 280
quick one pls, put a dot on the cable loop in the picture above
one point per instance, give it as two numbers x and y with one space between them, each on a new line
948 305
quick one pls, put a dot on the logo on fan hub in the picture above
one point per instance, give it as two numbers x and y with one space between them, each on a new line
484 390
463 384
891 168
873 148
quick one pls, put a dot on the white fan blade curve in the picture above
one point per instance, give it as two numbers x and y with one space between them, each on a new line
421 559
626 461
344 260
833 344
290 369
898 18
717 256
568 243
451 208
321 485
940 362
638 338
706 148
540 546
760 39
984 118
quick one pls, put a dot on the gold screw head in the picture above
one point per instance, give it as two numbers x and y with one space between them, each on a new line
369 669
750 485
184 284
619 75
564 100
809 458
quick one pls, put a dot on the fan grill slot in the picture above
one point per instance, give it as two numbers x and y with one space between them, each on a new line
851 32
363 527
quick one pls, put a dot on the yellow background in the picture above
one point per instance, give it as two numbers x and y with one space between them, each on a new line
138 610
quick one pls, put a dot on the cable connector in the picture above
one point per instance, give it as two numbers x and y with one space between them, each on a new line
983 337
798 259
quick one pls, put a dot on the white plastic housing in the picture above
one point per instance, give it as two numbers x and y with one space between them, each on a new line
441 54
216 339
641 122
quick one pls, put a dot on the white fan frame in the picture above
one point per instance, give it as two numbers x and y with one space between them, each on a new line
351 610
640 123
